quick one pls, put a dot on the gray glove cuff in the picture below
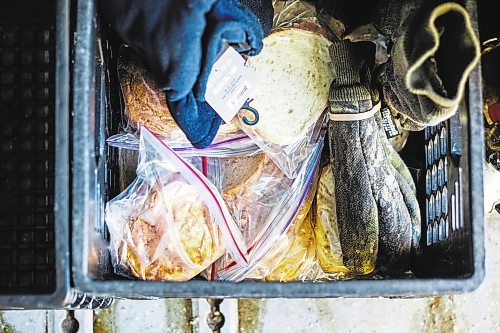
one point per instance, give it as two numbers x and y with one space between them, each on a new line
352 73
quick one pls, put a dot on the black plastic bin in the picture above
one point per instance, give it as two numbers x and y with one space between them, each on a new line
453 259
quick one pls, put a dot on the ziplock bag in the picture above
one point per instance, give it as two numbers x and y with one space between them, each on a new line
287 107
290 158
265 208
171 222
293 257
299 261
240 145
145 105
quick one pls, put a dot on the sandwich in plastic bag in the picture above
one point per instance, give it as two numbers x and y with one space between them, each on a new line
293 257
287 107
270 210
171 222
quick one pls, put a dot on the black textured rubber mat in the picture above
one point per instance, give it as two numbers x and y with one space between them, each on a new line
27 147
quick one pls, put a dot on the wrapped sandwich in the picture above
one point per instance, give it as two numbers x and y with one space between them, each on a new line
169 236
270 210
170 223
295 67
252 199
294 256
289 103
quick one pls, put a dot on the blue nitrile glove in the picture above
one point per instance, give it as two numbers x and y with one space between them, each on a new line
180 40
200 123
228 22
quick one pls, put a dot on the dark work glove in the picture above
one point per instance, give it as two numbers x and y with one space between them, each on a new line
377 210
435 49
264 11
167 34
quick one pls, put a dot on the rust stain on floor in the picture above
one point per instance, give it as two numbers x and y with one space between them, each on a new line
104 320
249 315
441 315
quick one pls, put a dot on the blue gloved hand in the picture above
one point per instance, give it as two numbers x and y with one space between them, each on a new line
228 22
200 123
166 34
180 41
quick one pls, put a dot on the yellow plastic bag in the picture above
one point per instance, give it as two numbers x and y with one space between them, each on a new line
295 255
326 230
271 211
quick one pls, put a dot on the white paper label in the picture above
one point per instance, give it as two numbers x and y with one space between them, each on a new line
229 84
391 130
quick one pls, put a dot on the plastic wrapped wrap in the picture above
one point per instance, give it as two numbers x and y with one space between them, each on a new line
295 70
289 158
293 257
237 146
170 223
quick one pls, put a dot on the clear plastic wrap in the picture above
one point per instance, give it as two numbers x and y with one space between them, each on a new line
298 13
237 146
325 227
270 210
293 257
171 222
287 107
252 199
145 104
290 158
